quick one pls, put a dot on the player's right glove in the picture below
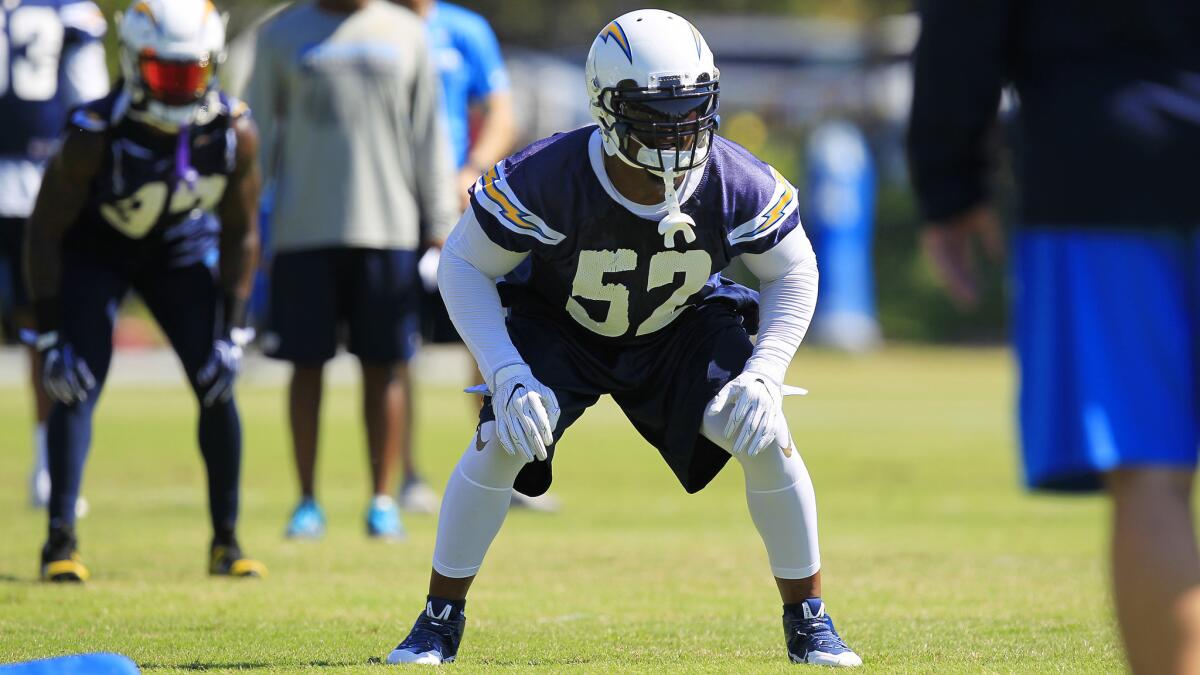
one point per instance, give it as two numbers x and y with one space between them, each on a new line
526 412
65 376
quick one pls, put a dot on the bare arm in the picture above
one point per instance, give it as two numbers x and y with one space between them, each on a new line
496 138
239 224
430 145
62 197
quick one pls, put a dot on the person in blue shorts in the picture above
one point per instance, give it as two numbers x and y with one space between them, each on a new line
55 61
611 240
1106 269
131 202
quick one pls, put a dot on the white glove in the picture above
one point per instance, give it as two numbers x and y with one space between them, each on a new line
526 412
427 268
757 418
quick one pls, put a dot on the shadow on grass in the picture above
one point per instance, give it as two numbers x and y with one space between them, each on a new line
12 579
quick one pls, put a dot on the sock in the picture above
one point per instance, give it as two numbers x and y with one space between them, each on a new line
221 446
443 609
782 505
812 608
40 461
68 437
474 506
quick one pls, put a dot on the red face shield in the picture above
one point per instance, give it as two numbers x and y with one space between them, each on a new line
175 82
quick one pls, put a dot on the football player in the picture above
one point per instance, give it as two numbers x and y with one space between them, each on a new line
624 228
53 61
130 202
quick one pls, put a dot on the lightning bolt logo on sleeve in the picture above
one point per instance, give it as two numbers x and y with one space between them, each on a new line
782 204
495 195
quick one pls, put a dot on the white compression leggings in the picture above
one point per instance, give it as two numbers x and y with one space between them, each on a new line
779 493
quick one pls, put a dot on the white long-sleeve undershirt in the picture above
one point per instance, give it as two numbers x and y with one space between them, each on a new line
471 262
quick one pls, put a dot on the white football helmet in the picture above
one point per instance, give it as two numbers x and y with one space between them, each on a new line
654 91
170 51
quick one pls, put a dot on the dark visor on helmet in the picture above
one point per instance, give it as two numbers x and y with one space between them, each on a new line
175 82
676 119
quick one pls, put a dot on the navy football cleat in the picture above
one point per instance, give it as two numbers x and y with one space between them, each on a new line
433 639
811 637
225 559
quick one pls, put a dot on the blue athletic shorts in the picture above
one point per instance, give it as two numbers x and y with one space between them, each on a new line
371 296
662 384
1108 336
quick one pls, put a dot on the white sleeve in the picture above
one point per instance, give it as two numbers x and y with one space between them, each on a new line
470 263
788 277
86 73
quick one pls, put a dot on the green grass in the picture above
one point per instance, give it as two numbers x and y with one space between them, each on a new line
935 561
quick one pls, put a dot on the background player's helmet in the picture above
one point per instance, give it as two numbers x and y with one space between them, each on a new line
170 50
653 89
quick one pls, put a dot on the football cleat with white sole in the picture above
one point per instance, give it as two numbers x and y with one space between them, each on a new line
383 519
417 497
811 637
434 638
307 521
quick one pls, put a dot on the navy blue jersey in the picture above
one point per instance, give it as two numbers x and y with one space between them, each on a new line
595 263
34 87
155 193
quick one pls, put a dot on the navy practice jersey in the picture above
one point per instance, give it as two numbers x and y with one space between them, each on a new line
155 196
34 35
596 263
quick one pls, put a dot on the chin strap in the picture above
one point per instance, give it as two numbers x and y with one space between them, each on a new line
184 171
676 221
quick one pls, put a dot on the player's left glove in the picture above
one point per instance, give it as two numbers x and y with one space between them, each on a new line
756 419
216 377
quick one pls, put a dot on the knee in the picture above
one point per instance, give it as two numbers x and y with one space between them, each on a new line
486 463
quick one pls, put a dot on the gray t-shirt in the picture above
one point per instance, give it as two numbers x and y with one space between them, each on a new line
352 133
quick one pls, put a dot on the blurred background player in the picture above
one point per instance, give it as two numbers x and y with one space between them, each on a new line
636 217
129 202
347 99
54 60
479 111
1107 262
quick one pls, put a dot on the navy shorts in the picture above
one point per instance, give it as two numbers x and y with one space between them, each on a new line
663 385
13 295
1108 335
371 296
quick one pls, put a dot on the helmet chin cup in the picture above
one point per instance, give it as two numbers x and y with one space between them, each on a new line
168 118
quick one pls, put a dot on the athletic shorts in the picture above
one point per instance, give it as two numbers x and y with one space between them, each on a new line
369 295
662 385
1108 337
13 295
183 300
